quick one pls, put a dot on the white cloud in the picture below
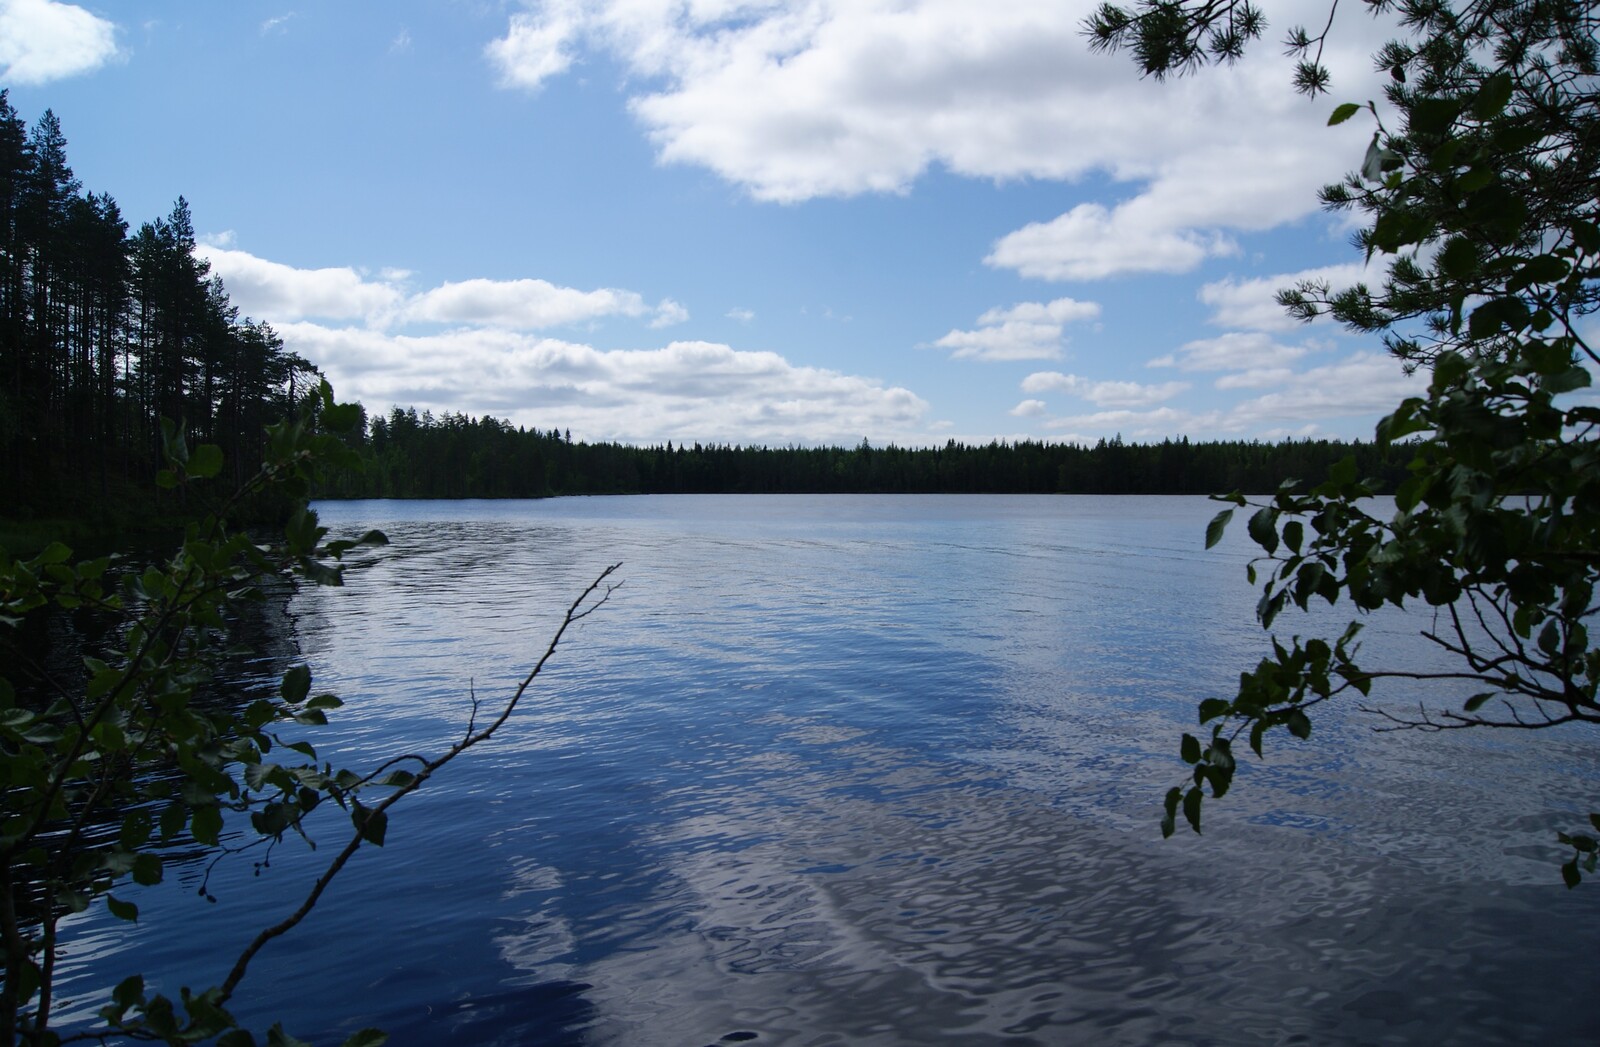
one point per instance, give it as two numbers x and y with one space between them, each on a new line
1089 242
794 99
275 291
363 333
1104 394
1255 378
1252 303
744 316
537 46
1234 351
669 313
522 304
276 23
272 290
684 390
41 40
1363 383
1029 409
1026 331
1361 386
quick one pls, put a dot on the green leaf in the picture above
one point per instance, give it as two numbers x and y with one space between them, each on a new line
371 824
1212 708
205 461
173 815
137 826
324 701
1342 113
55 552
147 870
1493 96
276 1037
1299 724
1264 529
398 779
1570 874
1293 535
1191 808
1190 749
1218 524
1477 701
1169 819
128 992
367 1038
296 684
122 910
205 825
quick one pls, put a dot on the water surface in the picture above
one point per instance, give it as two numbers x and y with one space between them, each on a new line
877 770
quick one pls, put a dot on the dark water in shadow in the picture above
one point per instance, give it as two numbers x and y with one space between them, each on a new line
878 770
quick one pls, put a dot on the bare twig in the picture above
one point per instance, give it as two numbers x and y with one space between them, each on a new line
586 604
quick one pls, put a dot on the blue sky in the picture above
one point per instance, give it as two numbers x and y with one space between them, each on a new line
743 221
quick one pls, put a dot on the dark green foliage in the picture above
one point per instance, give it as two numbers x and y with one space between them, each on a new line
103 334
1484 198
101 773
105 769
454 456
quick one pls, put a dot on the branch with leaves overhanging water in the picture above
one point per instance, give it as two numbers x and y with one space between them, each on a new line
104 777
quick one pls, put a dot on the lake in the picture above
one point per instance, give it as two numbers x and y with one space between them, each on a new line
874 770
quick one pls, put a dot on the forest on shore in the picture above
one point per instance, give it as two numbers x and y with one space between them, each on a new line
104 333
457 456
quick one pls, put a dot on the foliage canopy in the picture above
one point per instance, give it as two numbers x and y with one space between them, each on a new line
1480 193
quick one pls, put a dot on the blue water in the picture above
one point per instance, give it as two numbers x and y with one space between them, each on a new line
874 770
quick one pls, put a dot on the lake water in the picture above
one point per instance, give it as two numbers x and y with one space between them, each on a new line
875 770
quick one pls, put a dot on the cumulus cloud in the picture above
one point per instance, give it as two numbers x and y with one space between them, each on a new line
1104 394
41 40
264 288
1029 409
1234 351
378 343
744 316
522 304
1360 386
684 390
1363 383
669 313
537 45
794 99
1090 242
267 289
1026 331
1252 304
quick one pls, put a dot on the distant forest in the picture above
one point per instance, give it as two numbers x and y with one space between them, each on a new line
456 456
103 334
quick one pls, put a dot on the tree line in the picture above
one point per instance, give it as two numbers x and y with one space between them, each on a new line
103 333
457 456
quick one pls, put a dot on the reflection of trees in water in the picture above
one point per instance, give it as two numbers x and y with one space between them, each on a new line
44 655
